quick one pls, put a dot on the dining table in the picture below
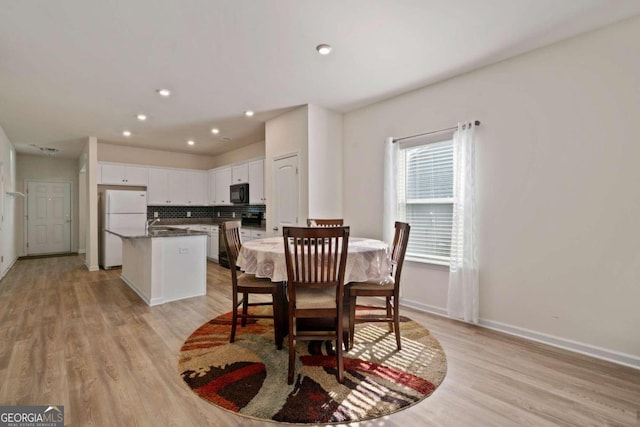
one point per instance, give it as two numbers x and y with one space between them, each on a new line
367 259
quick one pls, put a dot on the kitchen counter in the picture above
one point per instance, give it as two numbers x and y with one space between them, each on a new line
173 222
154 232
164 264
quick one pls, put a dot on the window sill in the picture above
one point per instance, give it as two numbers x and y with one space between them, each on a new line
439 265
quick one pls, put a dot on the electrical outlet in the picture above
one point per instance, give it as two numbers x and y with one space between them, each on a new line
188 214
218 214
233 214
155 214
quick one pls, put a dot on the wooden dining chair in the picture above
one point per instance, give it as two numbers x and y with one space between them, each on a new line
246 284
316 259
389 289
319 222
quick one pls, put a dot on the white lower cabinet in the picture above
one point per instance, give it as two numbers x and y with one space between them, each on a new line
214 249
248 234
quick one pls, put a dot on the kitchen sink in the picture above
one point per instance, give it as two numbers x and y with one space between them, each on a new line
166 231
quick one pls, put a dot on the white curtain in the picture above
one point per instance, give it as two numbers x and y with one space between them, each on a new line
463 299
390 214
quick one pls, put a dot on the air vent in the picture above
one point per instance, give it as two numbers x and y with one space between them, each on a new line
46 150
49 151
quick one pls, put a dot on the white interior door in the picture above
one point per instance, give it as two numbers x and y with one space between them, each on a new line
285 193
48 217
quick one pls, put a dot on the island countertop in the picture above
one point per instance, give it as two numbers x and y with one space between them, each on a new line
131 233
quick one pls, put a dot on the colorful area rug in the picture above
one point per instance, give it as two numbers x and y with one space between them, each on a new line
249 377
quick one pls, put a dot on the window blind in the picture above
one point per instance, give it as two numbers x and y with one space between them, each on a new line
425 189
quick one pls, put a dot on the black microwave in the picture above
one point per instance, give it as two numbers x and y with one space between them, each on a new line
239 194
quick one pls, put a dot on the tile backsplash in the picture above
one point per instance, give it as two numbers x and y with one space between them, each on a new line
222 212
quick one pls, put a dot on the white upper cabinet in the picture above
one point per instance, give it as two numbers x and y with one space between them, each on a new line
240 174
256 182
158 188
197 188
212 187
178 184
223 182
119 174
167 187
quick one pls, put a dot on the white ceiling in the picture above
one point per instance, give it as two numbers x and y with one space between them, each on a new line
70 69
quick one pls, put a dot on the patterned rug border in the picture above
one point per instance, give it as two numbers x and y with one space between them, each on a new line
198 346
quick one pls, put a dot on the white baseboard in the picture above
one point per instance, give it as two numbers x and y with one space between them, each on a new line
575 346
424 307
134 288
566 344
91 267
4 273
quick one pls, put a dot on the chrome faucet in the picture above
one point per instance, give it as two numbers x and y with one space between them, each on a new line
150 222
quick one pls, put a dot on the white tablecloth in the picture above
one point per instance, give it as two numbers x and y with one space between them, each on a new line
368 259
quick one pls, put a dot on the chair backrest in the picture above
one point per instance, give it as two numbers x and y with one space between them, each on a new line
232 243
316 257
319 222
400 241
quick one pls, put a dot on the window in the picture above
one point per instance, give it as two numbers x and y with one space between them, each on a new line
425 197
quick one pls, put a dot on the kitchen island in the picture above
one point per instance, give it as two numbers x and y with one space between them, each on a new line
163 265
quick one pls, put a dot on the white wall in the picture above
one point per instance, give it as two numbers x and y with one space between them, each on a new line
89 162
559 192
52 169
284 135
315 135
8 253
325 154
144 156
242 154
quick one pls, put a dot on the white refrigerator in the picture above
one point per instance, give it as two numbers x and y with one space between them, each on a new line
119 210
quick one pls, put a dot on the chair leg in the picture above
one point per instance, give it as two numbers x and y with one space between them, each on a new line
340 363
396 322
234 317
278 316
352 319
389 314
292 350
245 307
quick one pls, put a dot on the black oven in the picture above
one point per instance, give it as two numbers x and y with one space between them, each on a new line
239 194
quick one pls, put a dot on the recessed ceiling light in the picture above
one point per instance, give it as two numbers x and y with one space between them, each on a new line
142 117
126 133
323 49
164 92
191 142
248 113
215 131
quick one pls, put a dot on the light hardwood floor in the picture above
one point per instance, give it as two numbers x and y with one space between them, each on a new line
86 341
